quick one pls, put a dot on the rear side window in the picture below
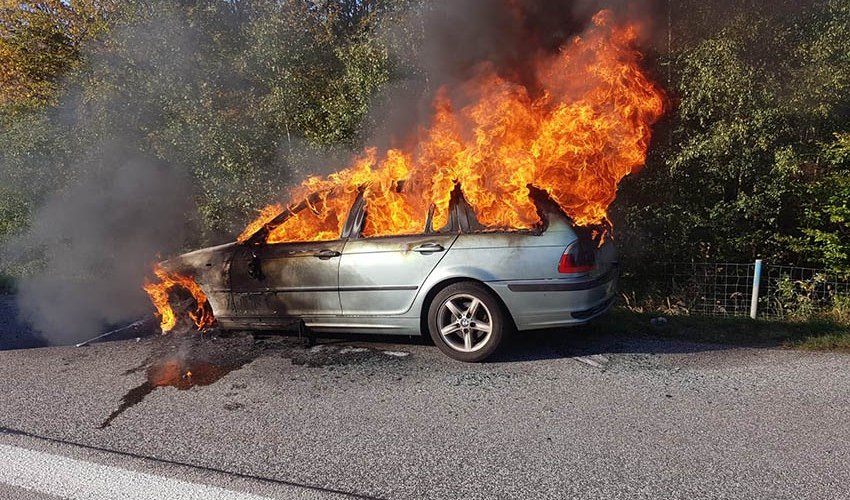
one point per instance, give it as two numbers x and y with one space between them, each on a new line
395 215
391 214
466 220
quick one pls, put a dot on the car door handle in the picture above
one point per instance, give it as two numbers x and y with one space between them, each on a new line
327 254
255 268
429 248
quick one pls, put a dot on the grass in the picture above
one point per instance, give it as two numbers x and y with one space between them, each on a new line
819 334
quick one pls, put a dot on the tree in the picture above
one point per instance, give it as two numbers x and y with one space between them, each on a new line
825 228
236 95
758 104
41 41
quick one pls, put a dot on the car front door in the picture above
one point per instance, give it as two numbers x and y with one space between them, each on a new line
381 276
274 284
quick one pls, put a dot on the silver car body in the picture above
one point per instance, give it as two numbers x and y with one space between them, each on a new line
385 284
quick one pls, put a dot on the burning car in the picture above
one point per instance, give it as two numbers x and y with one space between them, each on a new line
466 286
491 218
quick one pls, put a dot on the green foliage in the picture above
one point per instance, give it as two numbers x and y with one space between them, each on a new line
826 210
39 41
317 78
753 162
233 94
841 309
796 298
27 146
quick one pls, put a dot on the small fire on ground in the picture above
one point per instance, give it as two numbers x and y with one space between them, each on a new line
171 372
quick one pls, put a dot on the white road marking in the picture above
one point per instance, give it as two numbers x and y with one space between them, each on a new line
594 360
397 354
77 479
346 350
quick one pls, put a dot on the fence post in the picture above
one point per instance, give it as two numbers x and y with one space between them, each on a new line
754 302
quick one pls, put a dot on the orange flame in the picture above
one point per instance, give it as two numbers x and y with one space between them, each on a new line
159 294
266 214
586 128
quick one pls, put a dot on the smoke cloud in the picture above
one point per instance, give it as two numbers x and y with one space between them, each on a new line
99 237
94 238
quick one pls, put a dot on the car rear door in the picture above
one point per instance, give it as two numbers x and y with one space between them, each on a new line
381 276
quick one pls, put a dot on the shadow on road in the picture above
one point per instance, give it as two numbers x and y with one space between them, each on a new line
601 337
545 344
585 341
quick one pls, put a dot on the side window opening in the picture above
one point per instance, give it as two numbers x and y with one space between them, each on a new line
360 224
467 221
451 226
313 219
460 218
415 226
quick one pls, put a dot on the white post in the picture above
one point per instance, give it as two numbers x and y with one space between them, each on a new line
754 302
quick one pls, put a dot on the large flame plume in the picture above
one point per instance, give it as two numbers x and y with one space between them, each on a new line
160 295
575 138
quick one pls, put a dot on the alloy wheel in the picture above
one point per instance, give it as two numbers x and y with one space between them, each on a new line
465 323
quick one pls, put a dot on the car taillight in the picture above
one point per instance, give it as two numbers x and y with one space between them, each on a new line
577 258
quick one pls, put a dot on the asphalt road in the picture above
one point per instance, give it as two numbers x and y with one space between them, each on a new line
563 415
14 331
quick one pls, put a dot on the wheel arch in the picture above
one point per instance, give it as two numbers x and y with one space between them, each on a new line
440 285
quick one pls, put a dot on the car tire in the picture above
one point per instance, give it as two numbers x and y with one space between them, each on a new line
467 322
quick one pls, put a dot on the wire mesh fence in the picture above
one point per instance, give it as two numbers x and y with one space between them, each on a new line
799 292
726 289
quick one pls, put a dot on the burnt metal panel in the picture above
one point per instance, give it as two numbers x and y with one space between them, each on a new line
287 280
210 268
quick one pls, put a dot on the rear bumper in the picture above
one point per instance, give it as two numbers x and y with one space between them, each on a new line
536 304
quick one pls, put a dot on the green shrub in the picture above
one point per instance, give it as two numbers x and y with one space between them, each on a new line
840 311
